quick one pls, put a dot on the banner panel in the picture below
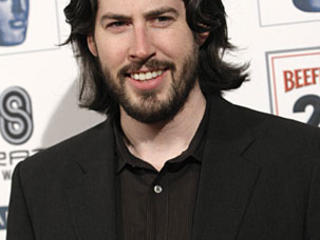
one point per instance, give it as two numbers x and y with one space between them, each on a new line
294 80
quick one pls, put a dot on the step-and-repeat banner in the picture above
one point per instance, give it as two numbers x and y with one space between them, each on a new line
38 87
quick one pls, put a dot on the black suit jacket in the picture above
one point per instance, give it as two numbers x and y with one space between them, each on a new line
260 179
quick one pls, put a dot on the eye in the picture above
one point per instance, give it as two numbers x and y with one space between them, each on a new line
117 26
164 18
162 21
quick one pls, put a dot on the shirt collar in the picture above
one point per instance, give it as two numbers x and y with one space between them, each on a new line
194 150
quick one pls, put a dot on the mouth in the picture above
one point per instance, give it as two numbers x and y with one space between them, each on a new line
16 24
145 76
147 80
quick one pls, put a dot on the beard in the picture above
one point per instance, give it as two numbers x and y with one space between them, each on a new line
149 108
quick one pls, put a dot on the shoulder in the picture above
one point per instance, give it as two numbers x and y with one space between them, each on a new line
274 137
287 134
81 146
280 139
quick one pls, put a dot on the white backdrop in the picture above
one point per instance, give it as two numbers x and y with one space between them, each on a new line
38 87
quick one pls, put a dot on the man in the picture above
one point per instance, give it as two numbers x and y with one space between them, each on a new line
174 160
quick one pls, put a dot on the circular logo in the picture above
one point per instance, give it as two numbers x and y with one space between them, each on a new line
16 124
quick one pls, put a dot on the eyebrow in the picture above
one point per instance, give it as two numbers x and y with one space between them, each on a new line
147 15
160 11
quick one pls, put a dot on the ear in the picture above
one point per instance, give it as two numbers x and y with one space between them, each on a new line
92 45
202 37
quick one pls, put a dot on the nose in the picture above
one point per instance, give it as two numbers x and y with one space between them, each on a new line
142 47
18 8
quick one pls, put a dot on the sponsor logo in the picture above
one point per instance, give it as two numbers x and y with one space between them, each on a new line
13 21
294 80
23 30
285 12
3 217
16 124
16 128
307 5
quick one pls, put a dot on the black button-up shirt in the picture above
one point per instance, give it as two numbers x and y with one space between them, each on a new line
158 205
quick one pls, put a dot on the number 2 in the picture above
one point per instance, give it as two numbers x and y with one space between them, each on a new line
309 100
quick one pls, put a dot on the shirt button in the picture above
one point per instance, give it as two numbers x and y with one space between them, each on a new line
157 189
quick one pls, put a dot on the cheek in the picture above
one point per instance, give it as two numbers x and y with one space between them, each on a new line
5 11
112 53
175 44
25 5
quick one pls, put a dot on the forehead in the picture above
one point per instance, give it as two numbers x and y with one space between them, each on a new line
128 7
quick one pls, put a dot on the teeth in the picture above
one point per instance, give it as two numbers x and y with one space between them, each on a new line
146 76
154 74
149 75
142 76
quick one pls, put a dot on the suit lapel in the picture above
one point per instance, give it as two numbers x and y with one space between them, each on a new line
227 179
90 187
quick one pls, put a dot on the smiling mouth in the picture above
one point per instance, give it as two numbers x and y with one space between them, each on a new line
145 76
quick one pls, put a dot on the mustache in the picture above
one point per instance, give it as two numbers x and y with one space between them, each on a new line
151 65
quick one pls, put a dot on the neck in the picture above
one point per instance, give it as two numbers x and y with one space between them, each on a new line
158 142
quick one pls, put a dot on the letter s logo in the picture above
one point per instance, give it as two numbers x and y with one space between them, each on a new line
16 124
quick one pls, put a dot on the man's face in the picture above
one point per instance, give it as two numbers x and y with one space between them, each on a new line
13 21
148 55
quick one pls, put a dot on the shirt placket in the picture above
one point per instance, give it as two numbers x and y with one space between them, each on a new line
159 208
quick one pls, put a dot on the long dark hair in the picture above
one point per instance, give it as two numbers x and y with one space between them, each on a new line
203 16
